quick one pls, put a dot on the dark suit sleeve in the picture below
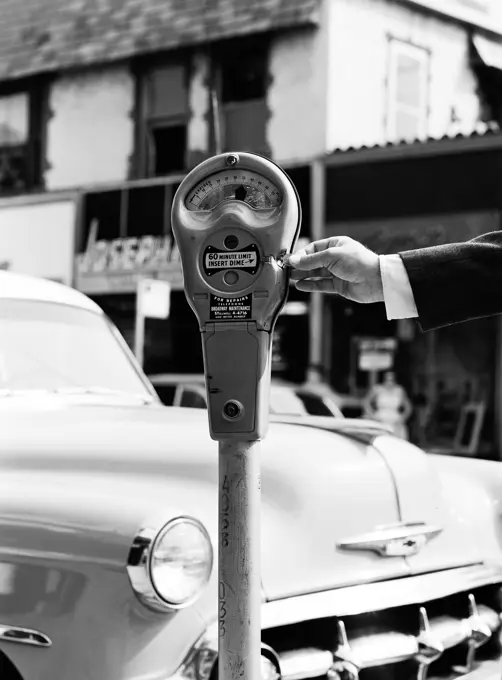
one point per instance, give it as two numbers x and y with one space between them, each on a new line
456 282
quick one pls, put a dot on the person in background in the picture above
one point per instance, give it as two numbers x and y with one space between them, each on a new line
388 403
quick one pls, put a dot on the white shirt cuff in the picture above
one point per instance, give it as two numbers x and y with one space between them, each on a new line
397 293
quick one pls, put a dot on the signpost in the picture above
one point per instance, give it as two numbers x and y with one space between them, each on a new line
153 299
375 355
235 218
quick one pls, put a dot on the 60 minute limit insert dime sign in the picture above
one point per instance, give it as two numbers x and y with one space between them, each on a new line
246 259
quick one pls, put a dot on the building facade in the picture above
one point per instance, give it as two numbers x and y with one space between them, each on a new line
419 167
107 105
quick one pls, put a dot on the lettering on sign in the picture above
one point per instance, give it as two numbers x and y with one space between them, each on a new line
230 309
246 259
229 260
376 354
128 254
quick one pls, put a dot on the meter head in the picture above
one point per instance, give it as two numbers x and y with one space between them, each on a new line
235 217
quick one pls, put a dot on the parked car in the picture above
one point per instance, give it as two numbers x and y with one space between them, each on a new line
377 559
311 393
179 389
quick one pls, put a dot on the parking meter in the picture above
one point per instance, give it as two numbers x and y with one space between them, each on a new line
234 218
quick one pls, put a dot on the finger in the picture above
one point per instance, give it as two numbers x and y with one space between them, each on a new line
325 285
317 247
316 260
297 274
328 284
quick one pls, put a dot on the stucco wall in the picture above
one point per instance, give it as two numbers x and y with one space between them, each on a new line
297 93
199 103
90 133
358 55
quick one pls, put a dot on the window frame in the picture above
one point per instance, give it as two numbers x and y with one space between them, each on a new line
34 149
221 52
145 124
401 48
230 51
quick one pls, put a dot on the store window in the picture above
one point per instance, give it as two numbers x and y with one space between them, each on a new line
130 211
20 148
242 82
407 93
163 120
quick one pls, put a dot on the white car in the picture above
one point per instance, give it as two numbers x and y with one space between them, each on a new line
189 390
378 561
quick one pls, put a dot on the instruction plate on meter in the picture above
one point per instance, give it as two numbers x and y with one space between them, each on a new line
215 259
230 309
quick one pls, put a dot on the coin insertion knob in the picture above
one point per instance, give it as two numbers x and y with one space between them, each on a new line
230 278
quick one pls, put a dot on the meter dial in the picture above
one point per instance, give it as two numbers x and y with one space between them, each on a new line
241 185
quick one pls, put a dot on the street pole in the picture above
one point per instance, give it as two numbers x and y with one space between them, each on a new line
316 311
236 281
139 326
239 560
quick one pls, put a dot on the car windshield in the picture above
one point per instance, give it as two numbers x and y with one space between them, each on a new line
54 347
314 405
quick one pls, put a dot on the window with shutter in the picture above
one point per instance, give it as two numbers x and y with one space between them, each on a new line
163 121
407 104
242 78
20 147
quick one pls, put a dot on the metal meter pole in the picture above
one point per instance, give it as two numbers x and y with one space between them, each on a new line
239 560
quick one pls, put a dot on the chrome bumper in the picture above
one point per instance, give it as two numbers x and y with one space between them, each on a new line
381 648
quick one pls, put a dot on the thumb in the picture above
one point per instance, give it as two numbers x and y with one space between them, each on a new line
306 261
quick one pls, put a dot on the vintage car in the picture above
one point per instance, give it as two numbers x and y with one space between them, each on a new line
378 561
189 390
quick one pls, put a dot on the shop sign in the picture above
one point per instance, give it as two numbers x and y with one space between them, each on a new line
376 354
128 254
37 237
118 265
154 298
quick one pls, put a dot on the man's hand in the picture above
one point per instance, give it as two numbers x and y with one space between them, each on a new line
338 265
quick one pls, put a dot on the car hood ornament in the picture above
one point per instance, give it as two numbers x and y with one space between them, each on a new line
393 540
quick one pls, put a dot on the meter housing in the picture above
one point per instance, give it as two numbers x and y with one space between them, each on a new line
234 218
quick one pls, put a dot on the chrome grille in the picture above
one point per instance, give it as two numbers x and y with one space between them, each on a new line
439 639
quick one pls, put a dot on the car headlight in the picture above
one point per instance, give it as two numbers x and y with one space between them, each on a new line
169 567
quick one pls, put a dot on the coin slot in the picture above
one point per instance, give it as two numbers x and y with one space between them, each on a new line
231 242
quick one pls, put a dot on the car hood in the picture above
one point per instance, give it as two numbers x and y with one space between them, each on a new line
447 498
78 481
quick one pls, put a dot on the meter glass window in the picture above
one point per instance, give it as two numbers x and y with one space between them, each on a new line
251 188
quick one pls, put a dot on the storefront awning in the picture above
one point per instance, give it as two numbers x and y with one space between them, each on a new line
489 51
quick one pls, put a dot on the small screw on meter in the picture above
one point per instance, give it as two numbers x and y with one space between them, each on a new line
235 217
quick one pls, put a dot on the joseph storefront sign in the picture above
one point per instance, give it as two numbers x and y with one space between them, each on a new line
116 266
